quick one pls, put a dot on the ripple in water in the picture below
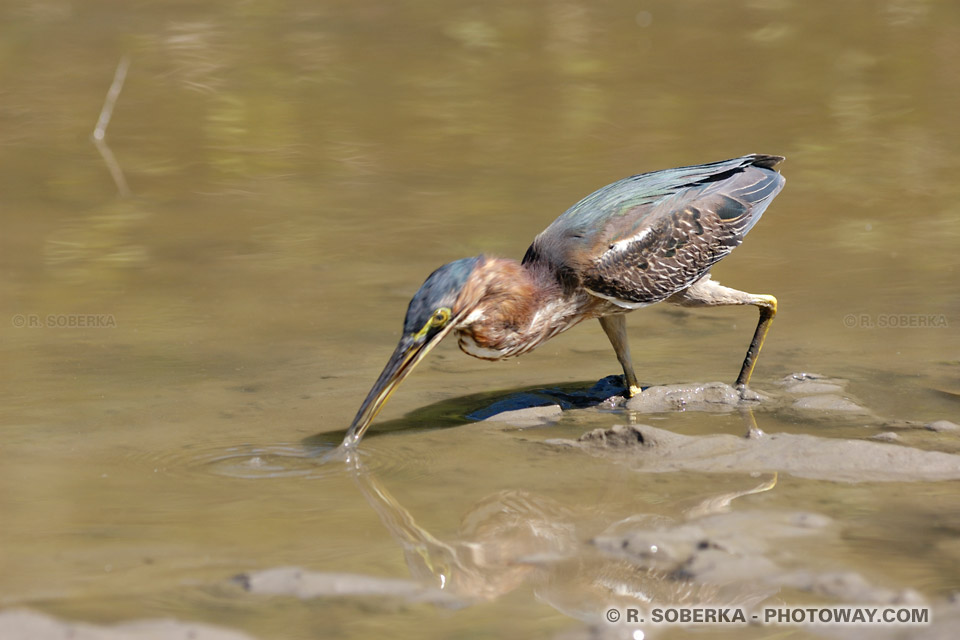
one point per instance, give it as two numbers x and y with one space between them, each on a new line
272 461
248 461
295 459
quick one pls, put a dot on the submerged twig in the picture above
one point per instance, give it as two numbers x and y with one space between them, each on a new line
100 131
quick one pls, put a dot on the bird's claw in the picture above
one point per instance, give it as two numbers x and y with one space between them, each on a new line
747 394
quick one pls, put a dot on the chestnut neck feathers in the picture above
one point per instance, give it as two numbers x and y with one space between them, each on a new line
513 308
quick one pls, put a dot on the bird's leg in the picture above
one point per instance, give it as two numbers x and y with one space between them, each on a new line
709 293
768 309
616 329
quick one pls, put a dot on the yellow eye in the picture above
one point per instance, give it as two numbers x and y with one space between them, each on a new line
440 317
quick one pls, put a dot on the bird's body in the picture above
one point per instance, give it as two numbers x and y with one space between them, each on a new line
631 244
641 240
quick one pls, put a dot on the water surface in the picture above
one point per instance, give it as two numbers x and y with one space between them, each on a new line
296 170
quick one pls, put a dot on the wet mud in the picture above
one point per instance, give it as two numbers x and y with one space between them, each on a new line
708 554
29 625
713 554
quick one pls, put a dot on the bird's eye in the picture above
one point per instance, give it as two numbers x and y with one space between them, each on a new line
440 317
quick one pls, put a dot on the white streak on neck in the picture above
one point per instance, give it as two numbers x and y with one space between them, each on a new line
468 346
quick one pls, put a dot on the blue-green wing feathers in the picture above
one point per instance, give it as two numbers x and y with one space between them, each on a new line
643 238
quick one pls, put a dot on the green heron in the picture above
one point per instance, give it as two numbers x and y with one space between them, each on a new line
645 239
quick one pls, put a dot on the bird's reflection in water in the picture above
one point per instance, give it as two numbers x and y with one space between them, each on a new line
514 537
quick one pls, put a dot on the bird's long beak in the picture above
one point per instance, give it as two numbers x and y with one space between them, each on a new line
410 351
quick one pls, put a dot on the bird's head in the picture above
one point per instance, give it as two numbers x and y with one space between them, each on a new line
435 310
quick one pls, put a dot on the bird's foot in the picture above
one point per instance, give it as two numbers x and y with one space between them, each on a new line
747 394
633 391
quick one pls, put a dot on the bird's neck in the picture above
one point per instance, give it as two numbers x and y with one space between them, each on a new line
517 307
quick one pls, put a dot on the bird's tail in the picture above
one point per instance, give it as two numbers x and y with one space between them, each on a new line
765 161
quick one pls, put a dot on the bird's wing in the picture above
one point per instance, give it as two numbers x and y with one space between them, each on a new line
639 240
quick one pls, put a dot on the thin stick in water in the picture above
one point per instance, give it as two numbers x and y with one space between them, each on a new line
100 131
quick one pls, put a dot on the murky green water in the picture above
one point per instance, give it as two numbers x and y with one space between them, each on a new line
296 169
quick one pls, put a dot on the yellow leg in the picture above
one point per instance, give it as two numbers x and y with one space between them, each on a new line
616 329
706 292
768 310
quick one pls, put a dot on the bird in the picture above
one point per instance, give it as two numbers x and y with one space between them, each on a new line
648 238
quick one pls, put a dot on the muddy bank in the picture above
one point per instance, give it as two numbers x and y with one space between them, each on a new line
945 618
655 450
711 547
304 584
803 394
745 547
21 624
712 556
804 397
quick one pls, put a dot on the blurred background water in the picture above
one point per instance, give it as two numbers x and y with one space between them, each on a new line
296 169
